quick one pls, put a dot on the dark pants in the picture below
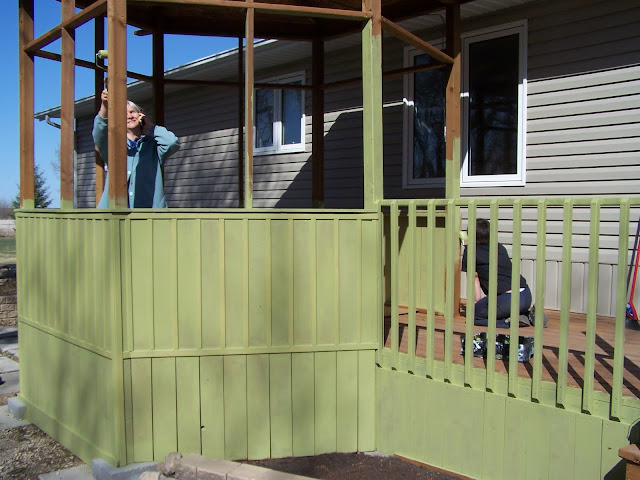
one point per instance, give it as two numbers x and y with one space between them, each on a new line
503 308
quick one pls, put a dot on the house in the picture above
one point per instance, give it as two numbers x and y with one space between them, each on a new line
274 329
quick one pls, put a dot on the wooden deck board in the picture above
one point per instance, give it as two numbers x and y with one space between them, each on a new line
605 334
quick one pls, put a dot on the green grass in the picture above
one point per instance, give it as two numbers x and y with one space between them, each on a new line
7 249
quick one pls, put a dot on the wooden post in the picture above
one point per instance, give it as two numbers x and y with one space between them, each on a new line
25 19
372 105
249 98
67 134
117 111
317 124
453 126
240 124
98 86
158 76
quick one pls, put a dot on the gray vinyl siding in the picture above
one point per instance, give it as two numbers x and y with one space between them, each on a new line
85 192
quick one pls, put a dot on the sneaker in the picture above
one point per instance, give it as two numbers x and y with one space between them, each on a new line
532 317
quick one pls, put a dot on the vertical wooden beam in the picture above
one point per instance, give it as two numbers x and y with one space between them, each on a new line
317 123
372 105
117 111
158 76
453 125
240 123
249 80
25 20
67 134
98 86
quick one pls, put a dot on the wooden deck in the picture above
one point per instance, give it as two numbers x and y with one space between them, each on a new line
603 377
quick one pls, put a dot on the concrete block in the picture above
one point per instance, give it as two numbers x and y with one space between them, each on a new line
81 472
7 365
16 408
252 472
150 476
11 383
168 467
104 471
197 467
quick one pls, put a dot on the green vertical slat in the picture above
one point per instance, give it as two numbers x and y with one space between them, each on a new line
366 400
189 289
590 340
358 273
235 407
514 330
212 406
313 288
515 446
127 288
163 386
259 311
188 404
452 239
281 413
565 302
347 402
538 439
621 296
587 456
291 274
303 400
614 436
370 298
165 284
493 437
267 280
234 260
431 262
245 281
395 328
258 407
212 272
142 284
471 292
349 252
128 410
141 401
562 441
335 315
90 297
74 322
281 282
325 402
86 283
411 239
493 298
541 248
302 284
325 279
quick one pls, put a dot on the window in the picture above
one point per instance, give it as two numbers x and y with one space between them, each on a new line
494 94
279 117
493 112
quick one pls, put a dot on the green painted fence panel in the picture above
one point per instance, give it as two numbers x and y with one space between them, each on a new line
614 435
259 283
587 456
282 282
349 253
366 400
303 257
235 260
326 254
303 403
346 401
188 404
213 292
493 438
235 407
164 398
371 273
165 285
128 410
212 406
280 401
325 402
142 286
189 257
258 407
561 443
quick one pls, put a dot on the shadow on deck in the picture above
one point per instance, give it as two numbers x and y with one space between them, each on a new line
605 335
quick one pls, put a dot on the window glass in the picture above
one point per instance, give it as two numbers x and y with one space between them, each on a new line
264 118
493 106
428 121
291 115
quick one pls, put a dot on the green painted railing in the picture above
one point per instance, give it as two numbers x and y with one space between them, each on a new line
506 217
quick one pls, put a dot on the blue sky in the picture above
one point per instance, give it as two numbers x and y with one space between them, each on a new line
178 50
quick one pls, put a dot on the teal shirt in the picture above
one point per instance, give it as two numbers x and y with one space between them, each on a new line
145 158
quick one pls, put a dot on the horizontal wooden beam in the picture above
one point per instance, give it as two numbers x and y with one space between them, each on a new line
84 63
408 37
220 83
335 13
94 10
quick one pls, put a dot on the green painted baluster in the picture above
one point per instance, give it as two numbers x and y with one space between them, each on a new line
431 258
471 292
590 341
493 298
621 302
452 237
540 287
565 305
411 264
395 330
516 257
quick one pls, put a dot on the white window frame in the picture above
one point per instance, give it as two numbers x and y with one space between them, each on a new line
277 146
407 128
519 178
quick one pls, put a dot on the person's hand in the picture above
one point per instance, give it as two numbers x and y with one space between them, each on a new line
146 125
104 108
